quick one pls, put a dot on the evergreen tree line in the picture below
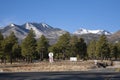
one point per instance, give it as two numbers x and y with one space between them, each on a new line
104 50
28 50
67 46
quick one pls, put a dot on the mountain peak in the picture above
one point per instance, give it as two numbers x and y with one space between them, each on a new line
27 25
44 25
12 25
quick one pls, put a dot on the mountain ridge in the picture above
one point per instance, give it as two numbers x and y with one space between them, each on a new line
53 34
21 31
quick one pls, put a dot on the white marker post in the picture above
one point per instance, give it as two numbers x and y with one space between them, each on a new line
50 57
95 61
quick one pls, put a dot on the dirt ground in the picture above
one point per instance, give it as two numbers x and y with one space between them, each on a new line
46 66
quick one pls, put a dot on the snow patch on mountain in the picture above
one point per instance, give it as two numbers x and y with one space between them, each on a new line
37 32
45 25
85 31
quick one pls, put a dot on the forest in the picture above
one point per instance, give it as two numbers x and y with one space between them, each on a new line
66 46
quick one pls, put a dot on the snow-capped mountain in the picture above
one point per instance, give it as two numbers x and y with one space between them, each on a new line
44 29
52 33
85 31
21 31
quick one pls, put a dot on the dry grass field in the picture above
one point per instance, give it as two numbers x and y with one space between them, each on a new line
46 66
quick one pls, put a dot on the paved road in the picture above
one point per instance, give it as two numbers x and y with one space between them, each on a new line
60 76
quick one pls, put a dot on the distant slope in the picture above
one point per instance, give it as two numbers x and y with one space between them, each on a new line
115 37
89 35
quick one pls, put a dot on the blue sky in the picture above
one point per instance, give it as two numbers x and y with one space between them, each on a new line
69 15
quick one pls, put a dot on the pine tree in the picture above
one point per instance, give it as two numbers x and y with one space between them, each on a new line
117 45
8 44
29 46
82 48
16 50
102 47
63 45
91 50
73 46
55 49
1 49
42 47
12 39
1 36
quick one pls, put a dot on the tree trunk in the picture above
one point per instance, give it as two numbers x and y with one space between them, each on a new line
31 59
11 58
42 56
28 60
4 59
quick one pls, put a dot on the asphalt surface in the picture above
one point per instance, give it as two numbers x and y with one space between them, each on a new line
60 76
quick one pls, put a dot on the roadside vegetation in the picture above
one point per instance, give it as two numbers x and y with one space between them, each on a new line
67 46
45 66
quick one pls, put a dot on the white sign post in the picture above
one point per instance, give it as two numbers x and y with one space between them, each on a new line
50 57
74 59
95 61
